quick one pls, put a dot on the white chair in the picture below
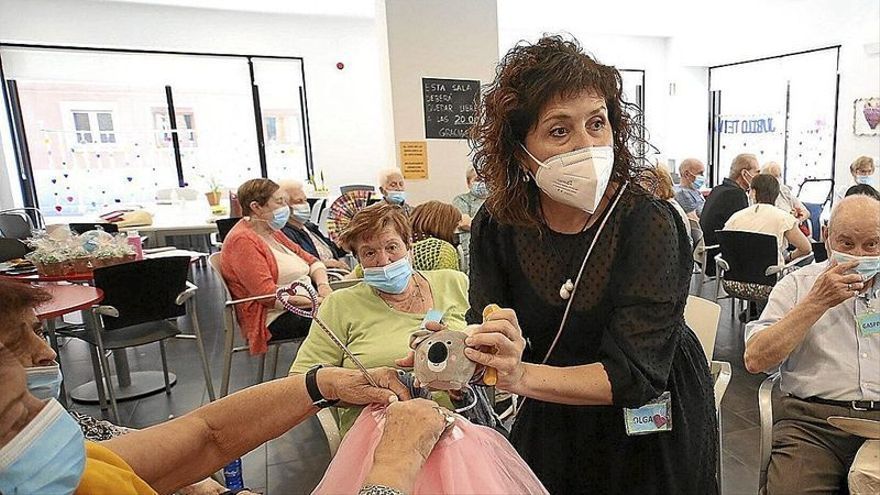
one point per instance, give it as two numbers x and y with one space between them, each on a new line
331 429
322 221
702 317
229 324
317 208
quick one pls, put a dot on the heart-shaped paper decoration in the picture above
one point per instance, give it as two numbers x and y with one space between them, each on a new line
70 199
129 179
53 180
58 208
872 115
659 421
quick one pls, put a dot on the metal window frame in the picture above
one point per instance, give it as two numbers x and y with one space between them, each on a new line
20 143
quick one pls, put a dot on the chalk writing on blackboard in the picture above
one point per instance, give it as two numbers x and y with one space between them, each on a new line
450 107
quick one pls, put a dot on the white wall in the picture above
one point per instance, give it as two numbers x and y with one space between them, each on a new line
455 39
350 128
675 123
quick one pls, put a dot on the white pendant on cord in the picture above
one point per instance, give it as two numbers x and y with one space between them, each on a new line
566 289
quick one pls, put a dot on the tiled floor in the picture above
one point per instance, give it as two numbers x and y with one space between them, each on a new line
295 462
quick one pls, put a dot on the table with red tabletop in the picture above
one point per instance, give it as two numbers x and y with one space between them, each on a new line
65 299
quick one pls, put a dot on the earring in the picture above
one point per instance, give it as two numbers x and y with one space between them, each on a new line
566 290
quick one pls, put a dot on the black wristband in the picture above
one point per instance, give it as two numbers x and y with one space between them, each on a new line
318 399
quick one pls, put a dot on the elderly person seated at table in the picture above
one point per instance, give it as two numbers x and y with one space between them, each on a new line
658 181
821 331
392 186
375 318
786 201
306 234
433 229
43 450
257 259
765 218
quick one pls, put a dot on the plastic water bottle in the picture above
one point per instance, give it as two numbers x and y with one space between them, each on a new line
134 240
232 475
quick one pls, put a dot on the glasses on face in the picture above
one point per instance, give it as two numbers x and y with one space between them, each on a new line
370 256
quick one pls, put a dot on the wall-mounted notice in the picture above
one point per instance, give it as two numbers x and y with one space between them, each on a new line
414 159
450 107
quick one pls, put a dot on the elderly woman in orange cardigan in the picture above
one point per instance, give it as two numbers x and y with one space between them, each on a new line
258 258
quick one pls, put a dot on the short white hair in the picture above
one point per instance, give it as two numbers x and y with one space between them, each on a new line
387 173
772 168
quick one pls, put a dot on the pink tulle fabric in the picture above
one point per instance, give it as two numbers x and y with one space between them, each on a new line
468 459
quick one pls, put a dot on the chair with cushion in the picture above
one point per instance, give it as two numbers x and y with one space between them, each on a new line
230 322
701 256
11 249
702 317
356 187
748 265
142 301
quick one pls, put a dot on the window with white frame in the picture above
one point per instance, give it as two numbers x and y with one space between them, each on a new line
93 127
185 127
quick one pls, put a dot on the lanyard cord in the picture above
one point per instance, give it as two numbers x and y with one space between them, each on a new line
577 281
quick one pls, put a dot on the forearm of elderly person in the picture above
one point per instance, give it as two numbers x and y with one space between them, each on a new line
768 348
184 450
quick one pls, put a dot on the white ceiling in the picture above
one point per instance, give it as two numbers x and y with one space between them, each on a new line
339 8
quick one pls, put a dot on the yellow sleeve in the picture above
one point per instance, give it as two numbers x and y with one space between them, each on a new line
317 348
106 472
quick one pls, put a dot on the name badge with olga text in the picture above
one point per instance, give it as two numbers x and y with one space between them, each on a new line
653 417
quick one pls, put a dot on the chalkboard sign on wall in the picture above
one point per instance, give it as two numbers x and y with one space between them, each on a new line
450 107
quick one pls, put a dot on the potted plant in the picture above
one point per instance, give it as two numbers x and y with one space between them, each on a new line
213 193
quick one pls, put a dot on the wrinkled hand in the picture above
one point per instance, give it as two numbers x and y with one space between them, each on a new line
412 428
835 285
337 265
498 343
351 387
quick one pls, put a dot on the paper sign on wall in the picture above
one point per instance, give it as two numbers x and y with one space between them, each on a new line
414 159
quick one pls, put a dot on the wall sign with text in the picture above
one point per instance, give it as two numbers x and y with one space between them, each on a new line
450 107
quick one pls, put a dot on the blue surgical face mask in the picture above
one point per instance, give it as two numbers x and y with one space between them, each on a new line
302 213
479 189
868 266
865 179
47 456
44 382
391 278
699 181
279 217
396 197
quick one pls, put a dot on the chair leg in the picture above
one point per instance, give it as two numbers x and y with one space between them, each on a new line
99 377
165 367
274 366
262 368
206 369
229 340
105 364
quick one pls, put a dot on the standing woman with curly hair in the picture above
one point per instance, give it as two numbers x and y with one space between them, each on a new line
617 393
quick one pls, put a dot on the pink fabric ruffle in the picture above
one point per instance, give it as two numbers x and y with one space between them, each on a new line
468 459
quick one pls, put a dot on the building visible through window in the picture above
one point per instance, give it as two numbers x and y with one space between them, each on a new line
185 128
93 127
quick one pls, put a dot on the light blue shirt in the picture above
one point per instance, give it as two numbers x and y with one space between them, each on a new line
834 361
690 199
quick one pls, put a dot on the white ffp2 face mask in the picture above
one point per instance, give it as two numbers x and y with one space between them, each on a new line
577 178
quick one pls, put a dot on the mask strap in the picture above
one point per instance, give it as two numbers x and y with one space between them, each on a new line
539 162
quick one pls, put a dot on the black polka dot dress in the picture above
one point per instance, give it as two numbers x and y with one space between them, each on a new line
628 315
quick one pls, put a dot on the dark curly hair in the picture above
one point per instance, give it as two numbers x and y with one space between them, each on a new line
527 78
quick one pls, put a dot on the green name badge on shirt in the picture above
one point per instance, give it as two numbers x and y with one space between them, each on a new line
653 417
869 323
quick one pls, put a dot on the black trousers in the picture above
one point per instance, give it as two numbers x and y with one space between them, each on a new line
289 326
